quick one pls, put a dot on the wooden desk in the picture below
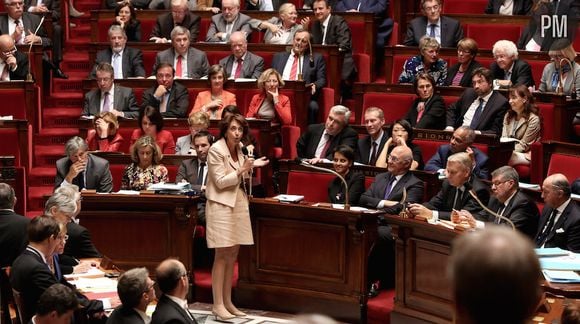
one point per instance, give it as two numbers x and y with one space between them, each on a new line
137 231
306 259
21 100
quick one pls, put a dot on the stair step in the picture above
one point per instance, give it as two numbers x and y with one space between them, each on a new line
42 176
73 67
36 196
53 136
61 117
70 85
66 99
82 42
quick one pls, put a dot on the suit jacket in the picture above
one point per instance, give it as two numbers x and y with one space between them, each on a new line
138 4
31 277
167 311
255 24
30 22
164 139
520 7
183 145
376 192
467 75
188 171
521 210
364 147
546 81
308 141
124 100
433 116
22 67
439 161
164 25
204 97
356 186
132 62
337 33
197 63
521 73
443 201
52 5
110 144
252 66
527 132
490 120
13 236
124 315
316 74
222 180
451 31
378 7
97 173
178 101
283 108
79 244
218 24
275 4
566 231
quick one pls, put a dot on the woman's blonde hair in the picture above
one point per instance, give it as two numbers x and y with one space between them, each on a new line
110 119
145 141
266 75
198 118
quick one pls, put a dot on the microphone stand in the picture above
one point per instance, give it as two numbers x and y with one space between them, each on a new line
29 75
346 196
472 193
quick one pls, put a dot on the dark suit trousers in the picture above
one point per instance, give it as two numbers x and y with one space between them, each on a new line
381 266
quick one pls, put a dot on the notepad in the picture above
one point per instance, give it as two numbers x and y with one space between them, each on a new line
561 276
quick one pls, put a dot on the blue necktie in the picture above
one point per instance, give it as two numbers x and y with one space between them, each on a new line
477 114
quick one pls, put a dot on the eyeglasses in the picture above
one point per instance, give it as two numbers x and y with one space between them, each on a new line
498 183
392 158
150 286
10 51
63 238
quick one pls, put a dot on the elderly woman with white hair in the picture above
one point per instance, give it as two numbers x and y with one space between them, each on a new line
561 71
281 29
508 69
427 61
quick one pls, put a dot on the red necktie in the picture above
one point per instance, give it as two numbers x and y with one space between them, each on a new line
420 111
294 67
238 69
178 69
326 146
17 23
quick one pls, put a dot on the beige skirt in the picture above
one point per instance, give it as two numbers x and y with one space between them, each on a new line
227 226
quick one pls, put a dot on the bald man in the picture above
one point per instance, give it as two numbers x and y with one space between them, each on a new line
13 64
495 277
560 219
241 63
173 282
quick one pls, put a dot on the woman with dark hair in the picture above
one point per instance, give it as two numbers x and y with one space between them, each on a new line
151 124
521 122
342 162
214 100
428 110
401 135
460 73
105 136
145 169
126 17
427 61
227 212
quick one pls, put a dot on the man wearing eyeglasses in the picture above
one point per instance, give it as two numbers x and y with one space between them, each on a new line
173 282
136 291
508 201
446 30
13 64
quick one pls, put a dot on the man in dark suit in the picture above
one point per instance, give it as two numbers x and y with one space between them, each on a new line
320 140
460 141
386 193
173 282
194 171
507 68
85 170
446 30
312 71
230 20
188 62
241 63
138 4
179 16
329 29
13 227
171 98
13 64
109 97
560 221
519 7
455 193
507 200
57 304
379 7
264 5
481 108
371 146
127 61
136 291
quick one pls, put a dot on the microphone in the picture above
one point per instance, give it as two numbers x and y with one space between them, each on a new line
346 197
311 54
248 152
29 75
472 193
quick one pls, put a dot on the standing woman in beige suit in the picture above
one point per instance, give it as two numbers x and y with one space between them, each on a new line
227 212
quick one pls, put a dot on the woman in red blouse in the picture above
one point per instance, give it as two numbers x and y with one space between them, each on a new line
105 137
151 124
270 104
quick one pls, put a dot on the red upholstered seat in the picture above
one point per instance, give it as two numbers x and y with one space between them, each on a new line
363 64
358 43
537 69
428 148
313 186
368 181
117 174
126 133
565 164
398 64
215 57
395 105
577 38
13 103
464 6
394 40
290 135
548 120
487 34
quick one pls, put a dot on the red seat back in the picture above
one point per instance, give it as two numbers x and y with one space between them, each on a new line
464 6
537 70
398 64
363 64
548 121
428 148
565 164
313 186
13 103
487 34
394 105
